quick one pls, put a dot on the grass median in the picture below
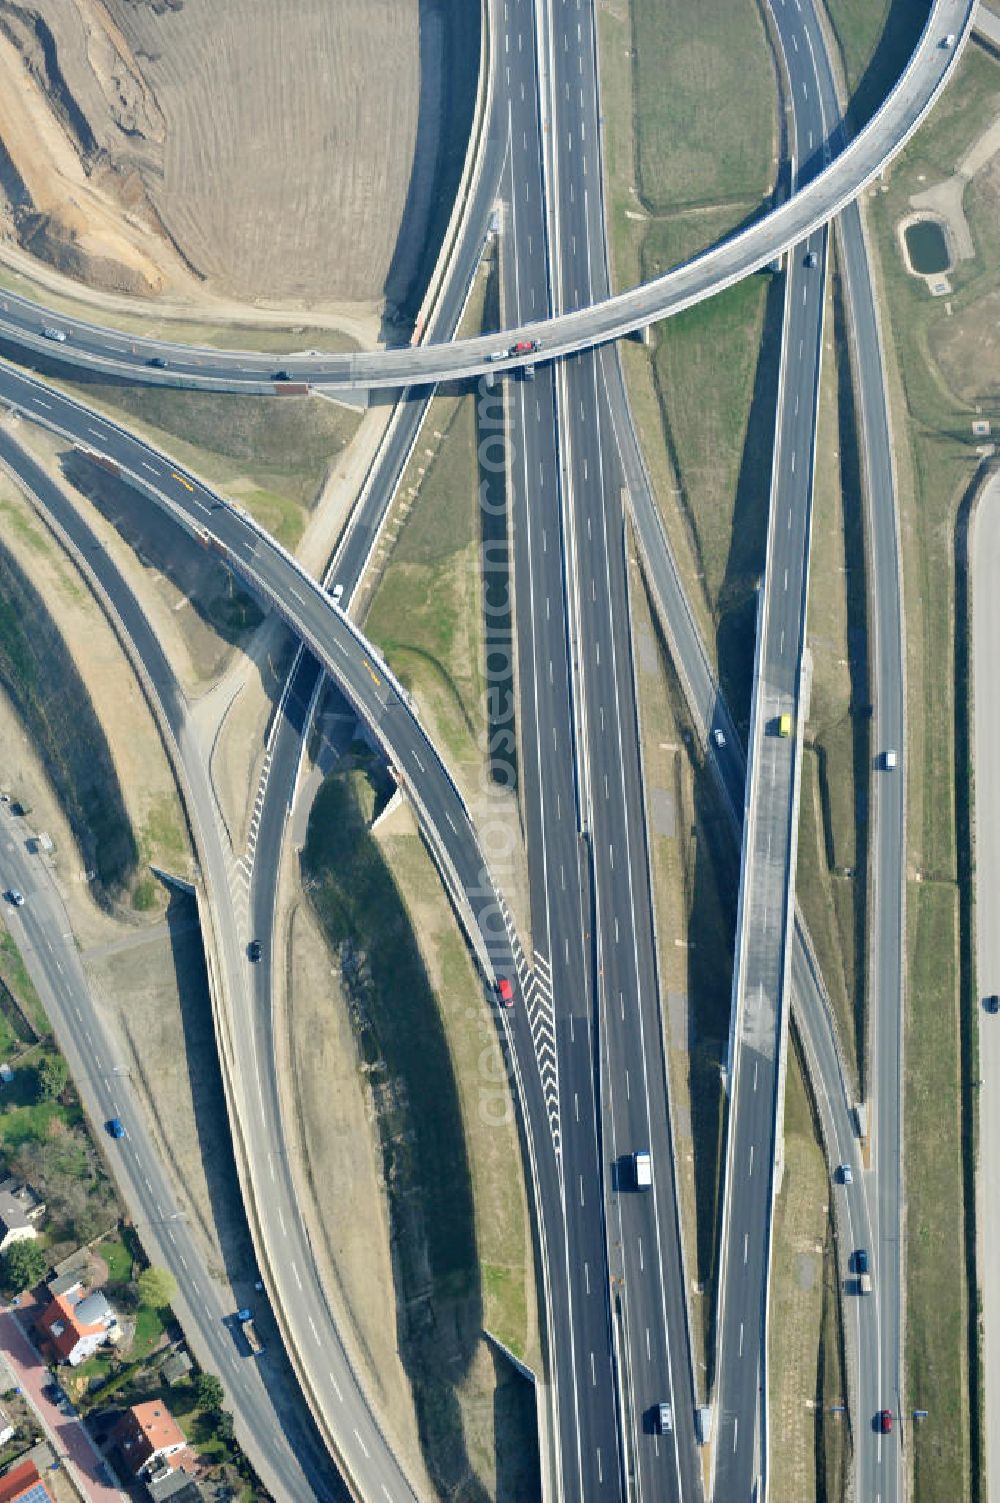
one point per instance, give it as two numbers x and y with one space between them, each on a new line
806 1379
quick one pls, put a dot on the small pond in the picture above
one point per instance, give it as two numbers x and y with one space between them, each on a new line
927 247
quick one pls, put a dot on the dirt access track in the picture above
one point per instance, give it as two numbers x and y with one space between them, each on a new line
236 149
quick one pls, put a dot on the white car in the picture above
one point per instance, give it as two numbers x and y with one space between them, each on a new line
719 737
846 1174
59 335
948 42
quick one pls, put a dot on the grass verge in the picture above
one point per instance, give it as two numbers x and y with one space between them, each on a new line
14 975
831 878
695 867
805 1368
270 454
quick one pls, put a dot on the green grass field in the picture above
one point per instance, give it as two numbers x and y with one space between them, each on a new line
274 453
704 102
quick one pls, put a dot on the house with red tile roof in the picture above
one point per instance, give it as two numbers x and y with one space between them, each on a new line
147 1435
77 1322
22 1484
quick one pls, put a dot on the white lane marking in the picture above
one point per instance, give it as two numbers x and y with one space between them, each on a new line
357 1434
295 1271
746 1245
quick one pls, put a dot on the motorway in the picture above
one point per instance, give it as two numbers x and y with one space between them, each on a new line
984 561
650 1316
609 318
612 542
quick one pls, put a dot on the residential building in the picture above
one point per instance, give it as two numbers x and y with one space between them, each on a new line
148 1437
22 1484
14 1224
77 1322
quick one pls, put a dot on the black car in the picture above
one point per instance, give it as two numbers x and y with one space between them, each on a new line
992 1003
158 363
281 376
861 1260
254 949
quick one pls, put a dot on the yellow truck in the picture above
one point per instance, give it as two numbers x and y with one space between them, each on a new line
785 725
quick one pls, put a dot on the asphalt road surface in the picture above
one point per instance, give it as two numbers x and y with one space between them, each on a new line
985 562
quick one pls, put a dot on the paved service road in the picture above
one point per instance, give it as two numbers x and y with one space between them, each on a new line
108 351
985 567
66 1433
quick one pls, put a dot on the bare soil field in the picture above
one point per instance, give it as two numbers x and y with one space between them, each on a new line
402 1083
245 148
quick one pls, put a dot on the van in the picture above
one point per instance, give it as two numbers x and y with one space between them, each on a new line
864 1283
497 355
642 1166
948 42
666 1419
889 760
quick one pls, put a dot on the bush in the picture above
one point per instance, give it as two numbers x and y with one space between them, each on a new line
24 1263
53 1074
208 1392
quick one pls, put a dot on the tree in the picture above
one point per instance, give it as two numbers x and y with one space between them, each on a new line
157 1287
23 1265
53 1073
209 1392
224 1425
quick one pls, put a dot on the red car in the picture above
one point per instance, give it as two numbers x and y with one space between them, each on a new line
525 347
506 992
885 1421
